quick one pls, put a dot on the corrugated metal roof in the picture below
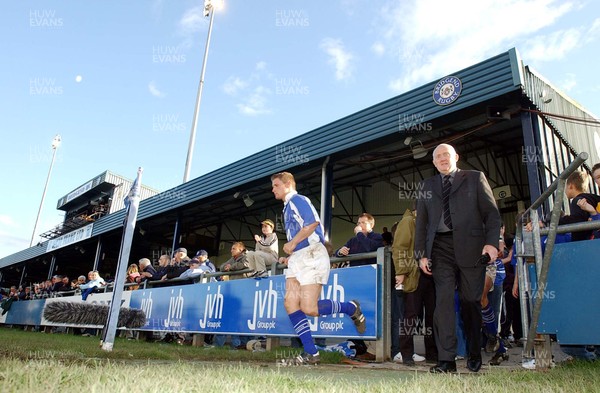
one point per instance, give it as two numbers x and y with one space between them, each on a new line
483 81
491 78
548 99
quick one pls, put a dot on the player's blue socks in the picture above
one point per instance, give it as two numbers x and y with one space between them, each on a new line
328 307
300 323
489 319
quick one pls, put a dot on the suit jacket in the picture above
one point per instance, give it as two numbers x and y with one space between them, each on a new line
475 217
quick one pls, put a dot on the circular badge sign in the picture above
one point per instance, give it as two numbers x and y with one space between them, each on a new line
447 90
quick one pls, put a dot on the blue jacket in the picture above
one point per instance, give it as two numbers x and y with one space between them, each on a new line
360 244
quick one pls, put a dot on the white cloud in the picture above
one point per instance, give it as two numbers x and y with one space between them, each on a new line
7 221
378 48
431 44
233 84
256 103
252 94
569 82
261 66
593 32
338 57
193 20
154 90
552 47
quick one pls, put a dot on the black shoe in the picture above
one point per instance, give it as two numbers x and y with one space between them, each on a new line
492 344
304 359
498 358
443 368
474 364
358 318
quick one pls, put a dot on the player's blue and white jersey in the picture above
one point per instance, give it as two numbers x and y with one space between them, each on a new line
299 212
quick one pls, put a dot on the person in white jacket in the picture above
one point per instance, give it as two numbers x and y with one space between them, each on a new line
95 281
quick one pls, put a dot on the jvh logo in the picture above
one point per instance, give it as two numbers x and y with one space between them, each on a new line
44 86
333 292
167 54
146 305
213 309
290 86
290 154
291 18
265 306
414 124
44 18
175 310
412 191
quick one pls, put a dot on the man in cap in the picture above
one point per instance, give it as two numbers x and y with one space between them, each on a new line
178 264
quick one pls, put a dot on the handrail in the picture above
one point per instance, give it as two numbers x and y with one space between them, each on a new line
543 262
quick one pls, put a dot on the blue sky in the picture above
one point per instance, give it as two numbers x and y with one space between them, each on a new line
118 79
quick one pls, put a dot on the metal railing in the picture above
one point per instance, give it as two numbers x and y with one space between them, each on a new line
528 245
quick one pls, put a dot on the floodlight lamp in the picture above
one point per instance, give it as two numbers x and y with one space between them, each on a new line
56 142
418 150
248 201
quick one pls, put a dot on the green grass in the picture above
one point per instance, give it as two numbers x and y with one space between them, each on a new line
32 362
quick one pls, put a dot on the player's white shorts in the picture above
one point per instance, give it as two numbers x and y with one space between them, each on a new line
490 271
309 265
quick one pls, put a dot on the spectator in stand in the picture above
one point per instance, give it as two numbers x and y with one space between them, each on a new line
178 264
266 251
195 270
596 174
364 240
147 271
65 284
25 294
576 190
95 281
132 275
38 292
13 293
202 256
593 212
47 288
237 261
56 283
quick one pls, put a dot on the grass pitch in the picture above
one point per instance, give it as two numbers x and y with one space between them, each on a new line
32 361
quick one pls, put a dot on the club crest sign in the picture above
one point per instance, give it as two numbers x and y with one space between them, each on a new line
447 90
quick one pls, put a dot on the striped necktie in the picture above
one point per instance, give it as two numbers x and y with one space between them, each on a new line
446 187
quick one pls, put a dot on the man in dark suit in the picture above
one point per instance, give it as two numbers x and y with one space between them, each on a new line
457 222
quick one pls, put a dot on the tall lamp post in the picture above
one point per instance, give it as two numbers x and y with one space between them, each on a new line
55 145
209 10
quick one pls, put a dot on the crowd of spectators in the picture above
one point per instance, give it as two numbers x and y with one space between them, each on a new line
179 268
